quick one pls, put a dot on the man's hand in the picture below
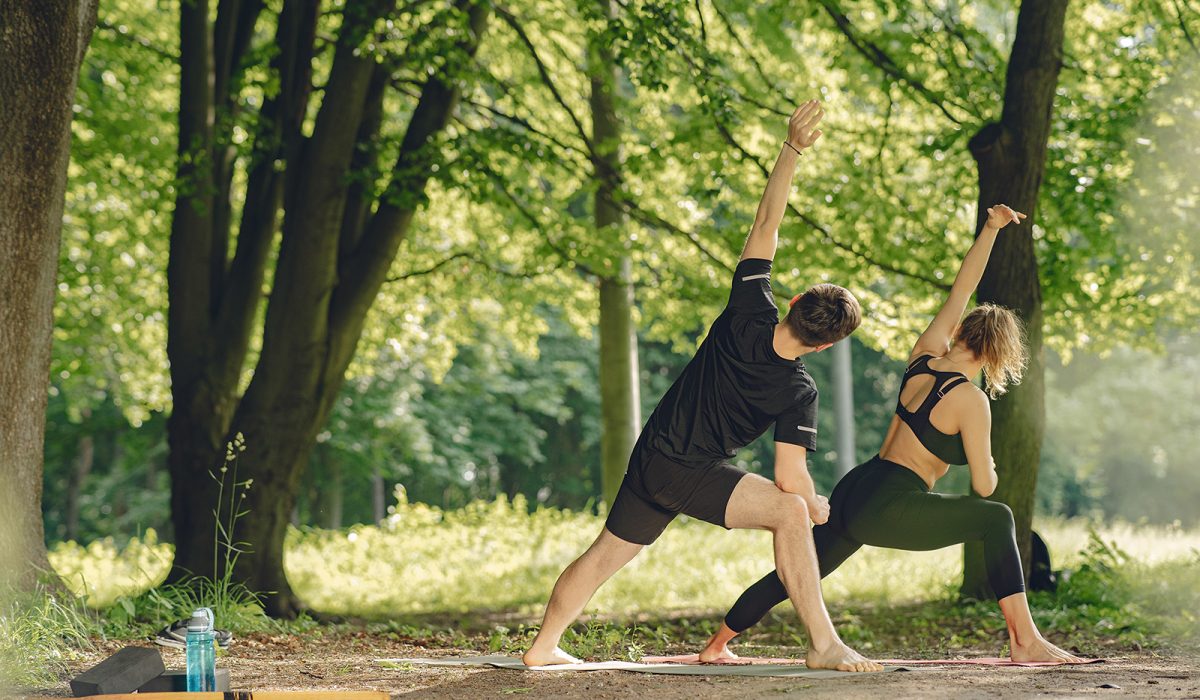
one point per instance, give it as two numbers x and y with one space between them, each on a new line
819 511
1002 215
802 127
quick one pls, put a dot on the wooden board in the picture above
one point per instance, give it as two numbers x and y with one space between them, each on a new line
253 695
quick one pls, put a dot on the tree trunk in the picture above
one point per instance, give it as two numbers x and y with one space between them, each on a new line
620 400
330 268
81 467
335 498
208 337
378 502
41 48
843 406
1011 156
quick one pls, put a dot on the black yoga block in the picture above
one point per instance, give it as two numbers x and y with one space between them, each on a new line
175 681
123 672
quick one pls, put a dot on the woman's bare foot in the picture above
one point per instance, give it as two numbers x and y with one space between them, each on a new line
554 657
716 651
1038 649
840 657
717 648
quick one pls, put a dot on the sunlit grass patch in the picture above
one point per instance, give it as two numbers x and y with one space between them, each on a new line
102 572
499 556
494 556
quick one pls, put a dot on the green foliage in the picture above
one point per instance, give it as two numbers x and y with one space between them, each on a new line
887 196
123 491
706 83
1121 437
1114 594
112 272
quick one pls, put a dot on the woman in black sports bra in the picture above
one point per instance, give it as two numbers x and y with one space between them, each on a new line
941 419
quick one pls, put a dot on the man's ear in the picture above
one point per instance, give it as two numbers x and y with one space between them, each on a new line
822 346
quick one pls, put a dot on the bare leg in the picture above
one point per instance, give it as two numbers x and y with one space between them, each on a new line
575 587
1025 641
717 647
759 504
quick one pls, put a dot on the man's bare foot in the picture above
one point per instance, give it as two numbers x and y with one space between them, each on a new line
840 657
554 657
1040 650
716 651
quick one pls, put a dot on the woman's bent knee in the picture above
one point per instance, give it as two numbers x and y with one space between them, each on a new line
998 515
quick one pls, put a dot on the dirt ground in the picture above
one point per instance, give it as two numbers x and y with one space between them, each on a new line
346 661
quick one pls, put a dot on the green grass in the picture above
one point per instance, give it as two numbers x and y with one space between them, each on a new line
39 634
459 578
498 556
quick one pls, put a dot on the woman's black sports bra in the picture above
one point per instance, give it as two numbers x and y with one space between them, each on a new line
948 448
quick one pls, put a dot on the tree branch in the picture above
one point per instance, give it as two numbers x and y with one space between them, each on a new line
544 73
361 274
812 223
1183 26
529 216
476 259
876 55
278 137
136 40
758 67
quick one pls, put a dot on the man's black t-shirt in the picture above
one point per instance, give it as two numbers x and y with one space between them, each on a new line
737 385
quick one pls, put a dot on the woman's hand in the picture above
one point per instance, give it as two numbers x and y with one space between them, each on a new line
802 127
1002 215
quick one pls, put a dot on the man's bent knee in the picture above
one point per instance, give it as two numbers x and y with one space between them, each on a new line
792 511
609 550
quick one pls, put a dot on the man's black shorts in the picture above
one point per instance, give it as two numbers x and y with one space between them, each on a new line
656 489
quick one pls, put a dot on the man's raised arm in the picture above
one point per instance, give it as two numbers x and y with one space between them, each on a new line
802 133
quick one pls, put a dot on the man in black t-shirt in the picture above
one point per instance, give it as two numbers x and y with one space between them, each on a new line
745 377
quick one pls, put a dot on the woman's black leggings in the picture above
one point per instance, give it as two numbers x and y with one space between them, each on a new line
885 504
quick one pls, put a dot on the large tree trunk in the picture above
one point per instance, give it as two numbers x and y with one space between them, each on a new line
333 259
212 301
620 400
1011 157
41 47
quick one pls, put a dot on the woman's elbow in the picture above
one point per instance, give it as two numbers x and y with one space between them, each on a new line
985 488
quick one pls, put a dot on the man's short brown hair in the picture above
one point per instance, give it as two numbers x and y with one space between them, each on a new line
826 313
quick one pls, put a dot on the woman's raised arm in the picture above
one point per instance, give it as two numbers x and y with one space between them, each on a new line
936 338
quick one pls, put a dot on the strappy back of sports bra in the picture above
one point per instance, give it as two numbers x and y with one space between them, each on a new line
948 448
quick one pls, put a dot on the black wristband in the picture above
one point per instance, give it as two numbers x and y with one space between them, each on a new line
789 145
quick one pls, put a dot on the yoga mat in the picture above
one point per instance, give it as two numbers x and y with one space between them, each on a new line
788 670
694 660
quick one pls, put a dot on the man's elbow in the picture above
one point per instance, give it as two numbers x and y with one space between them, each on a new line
788 485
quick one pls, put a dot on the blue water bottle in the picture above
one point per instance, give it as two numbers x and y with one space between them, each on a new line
201 652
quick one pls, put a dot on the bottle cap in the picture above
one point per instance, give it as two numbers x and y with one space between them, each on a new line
202 620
